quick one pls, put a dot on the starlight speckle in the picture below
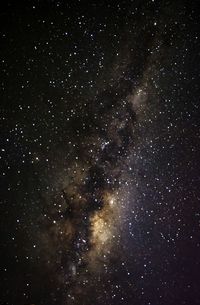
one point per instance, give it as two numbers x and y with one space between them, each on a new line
99 153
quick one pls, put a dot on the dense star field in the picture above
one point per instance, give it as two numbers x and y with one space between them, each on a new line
99 153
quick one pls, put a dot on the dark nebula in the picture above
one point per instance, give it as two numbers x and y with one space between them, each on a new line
100 153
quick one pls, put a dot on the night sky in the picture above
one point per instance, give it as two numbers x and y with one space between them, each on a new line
99 153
